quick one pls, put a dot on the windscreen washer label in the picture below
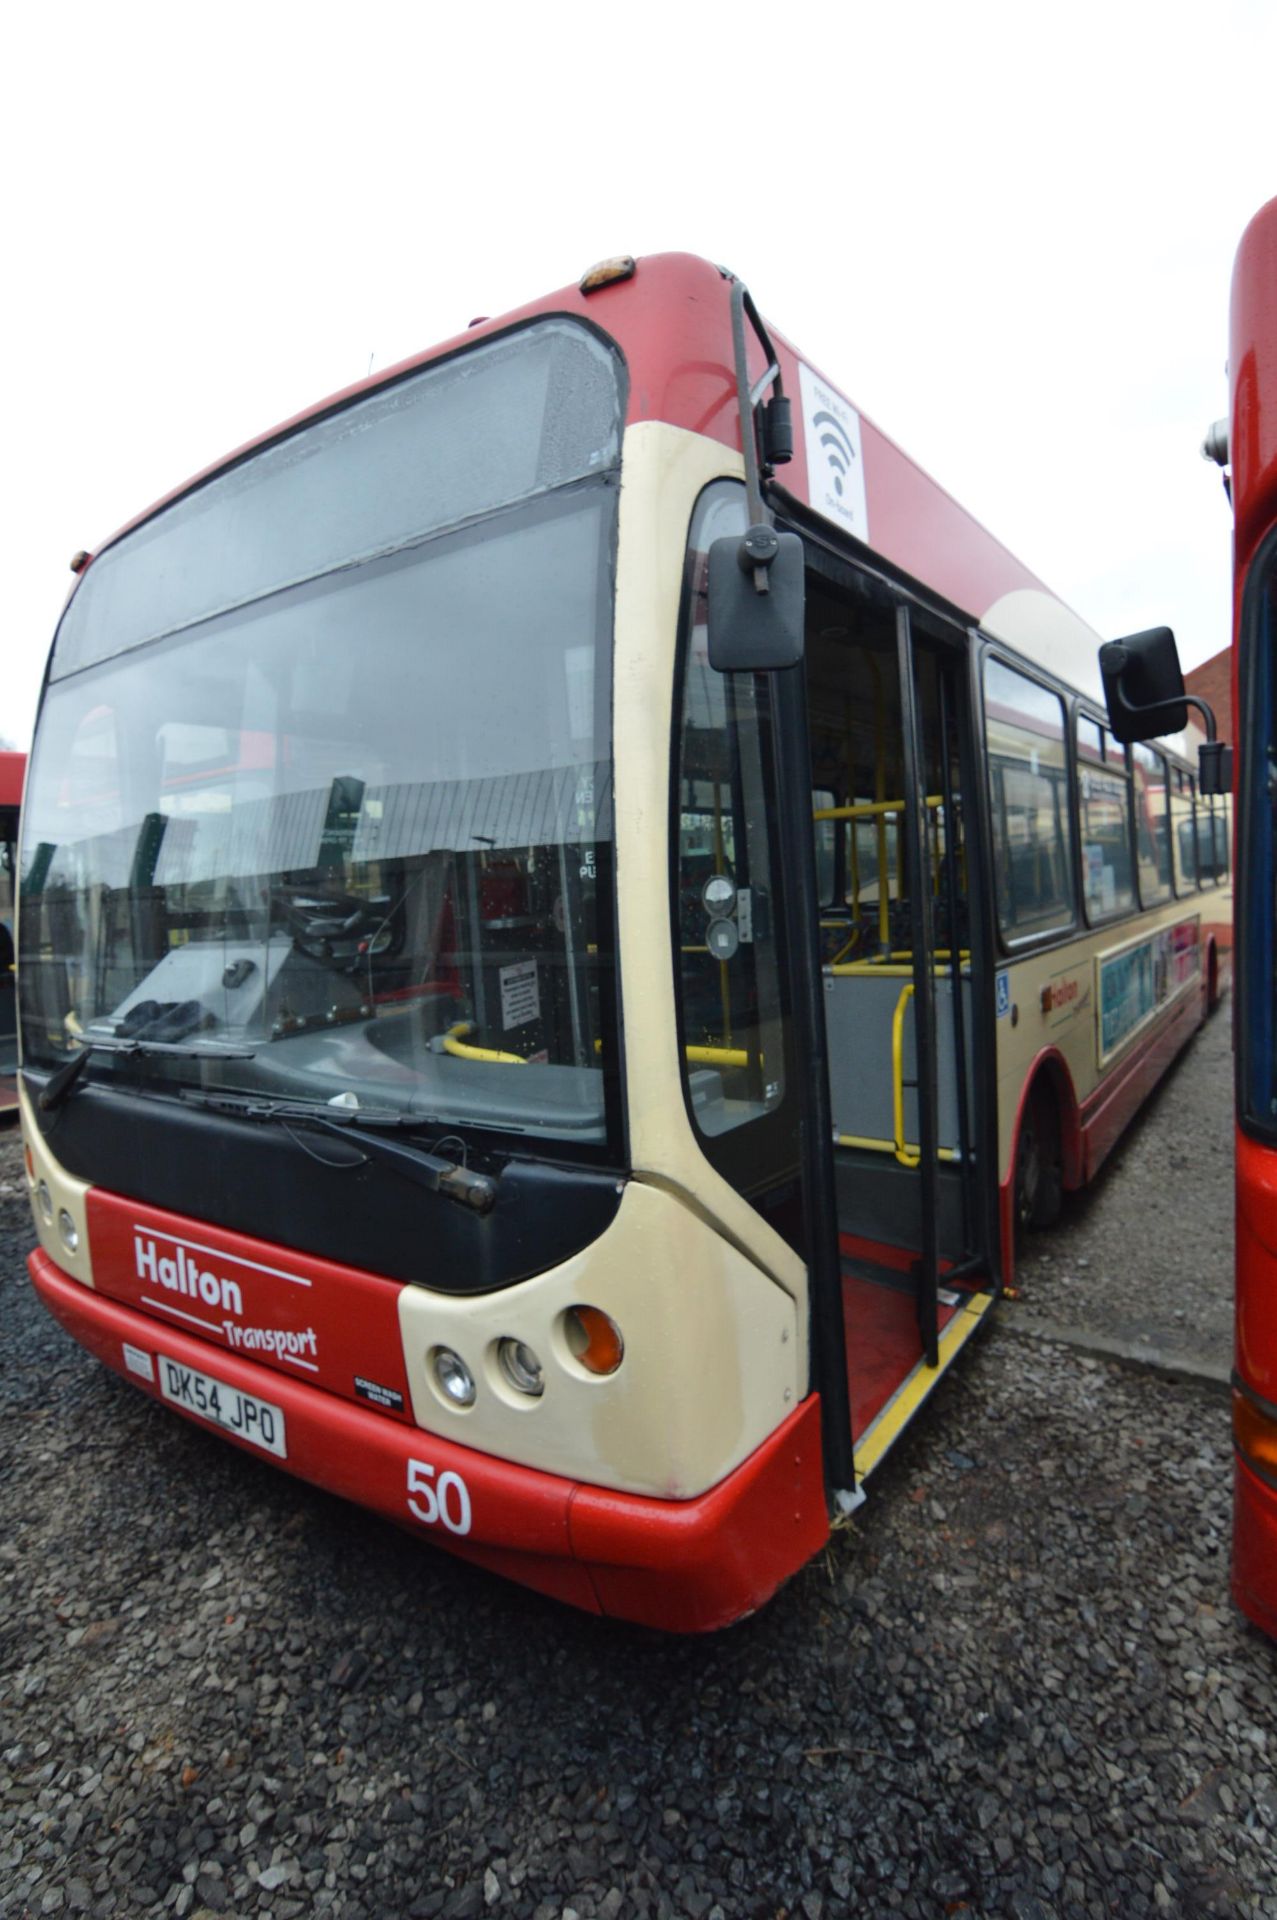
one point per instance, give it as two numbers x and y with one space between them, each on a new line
379 1396
520 994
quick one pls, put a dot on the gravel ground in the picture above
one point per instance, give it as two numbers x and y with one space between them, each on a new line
1143 1258
1016 1688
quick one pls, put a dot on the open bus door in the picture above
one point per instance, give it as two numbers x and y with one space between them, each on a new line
903 958
889 962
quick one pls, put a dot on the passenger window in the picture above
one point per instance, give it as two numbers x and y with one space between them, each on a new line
1152 825
1028 792
1104 809
1183 851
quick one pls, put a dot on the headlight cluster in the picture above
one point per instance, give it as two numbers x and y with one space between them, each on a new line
590 1343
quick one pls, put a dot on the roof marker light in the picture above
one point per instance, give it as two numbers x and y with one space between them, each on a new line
606 274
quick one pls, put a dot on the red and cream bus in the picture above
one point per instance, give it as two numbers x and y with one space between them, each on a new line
12 768
1252 446
570 906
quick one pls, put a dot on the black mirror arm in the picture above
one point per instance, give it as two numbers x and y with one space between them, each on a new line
759 546
1207 712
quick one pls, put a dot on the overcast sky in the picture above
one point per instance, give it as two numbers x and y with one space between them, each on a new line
1006 231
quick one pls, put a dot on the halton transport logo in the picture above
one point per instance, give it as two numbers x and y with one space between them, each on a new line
179 1272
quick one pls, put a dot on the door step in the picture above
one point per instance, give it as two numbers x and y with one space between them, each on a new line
889 1424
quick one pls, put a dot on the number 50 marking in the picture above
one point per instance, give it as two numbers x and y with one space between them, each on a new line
442 1502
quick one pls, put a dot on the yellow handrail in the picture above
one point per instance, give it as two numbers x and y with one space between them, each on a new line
868 809
878 970
868 1145
717 1056
453 1044
906 1155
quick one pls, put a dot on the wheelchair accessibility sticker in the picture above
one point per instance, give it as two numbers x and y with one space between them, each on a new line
1004 994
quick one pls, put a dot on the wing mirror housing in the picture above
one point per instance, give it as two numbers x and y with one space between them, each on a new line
1145 697
1143 685
756 601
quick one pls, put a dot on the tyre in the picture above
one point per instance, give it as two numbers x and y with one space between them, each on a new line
1039 1181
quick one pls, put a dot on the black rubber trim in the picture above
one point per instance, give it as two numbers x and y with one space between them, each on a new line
303 1191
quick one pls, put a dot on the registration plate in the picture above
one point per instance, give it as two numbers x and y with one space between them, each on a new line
242 1414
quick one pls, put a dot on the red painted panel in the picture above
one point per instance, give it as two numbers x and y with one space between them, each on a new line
685 1566
1253 368
1256 1353
311 1319
13 767
700 1564
672 322
1254 1548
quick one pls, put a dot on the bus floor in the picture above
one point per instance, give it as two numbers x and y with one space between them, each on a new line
884 1349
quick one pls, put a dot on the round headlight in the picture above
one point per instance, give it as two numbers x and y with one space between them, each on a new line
69 1231
45 1199
453 1377
521 1367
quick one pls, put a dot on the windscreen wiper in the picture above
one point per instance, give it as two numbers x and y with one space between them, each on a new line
477 1191
56 1089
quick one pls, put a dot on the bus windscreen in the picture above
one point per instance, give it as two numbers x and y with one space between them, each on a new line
354 830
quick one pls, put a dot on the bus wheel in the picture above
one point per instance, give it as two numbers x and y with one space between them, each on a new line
1039 1182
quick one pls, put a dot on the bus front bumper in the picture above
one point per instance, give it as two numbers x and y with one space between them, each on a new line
687 1566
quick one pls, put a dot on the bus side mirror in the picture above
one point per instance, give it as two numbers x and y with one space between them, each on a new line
757 601
1143 685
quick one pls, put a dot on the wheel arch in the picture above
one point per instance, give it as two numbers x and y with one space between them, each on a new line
1050 1071
1211 974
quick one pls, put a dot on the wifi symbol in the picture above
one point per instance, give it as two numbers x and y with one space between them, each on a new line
839 451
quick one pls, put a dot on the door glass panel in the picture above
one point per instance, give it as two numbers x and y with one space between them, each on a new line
727 925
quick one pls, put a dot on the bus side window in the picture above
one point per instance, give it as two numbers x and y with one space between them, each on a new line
1182 848
1028 781
1212 841
1152 823
1104 811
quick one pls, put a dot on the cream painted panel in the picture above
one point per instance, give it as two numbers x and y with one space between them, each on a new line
664 470
65 1191
712 1358
1049 633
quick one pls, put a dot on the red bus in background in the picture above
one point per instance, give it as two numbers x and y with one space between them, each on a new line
13 766
1253 451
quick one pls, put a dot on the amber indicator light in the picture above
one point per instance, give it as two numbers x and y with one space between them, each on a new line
594 1339
1254 1431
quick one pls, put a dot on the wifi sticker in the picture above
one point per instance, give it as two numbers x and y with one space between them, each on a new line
835 467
